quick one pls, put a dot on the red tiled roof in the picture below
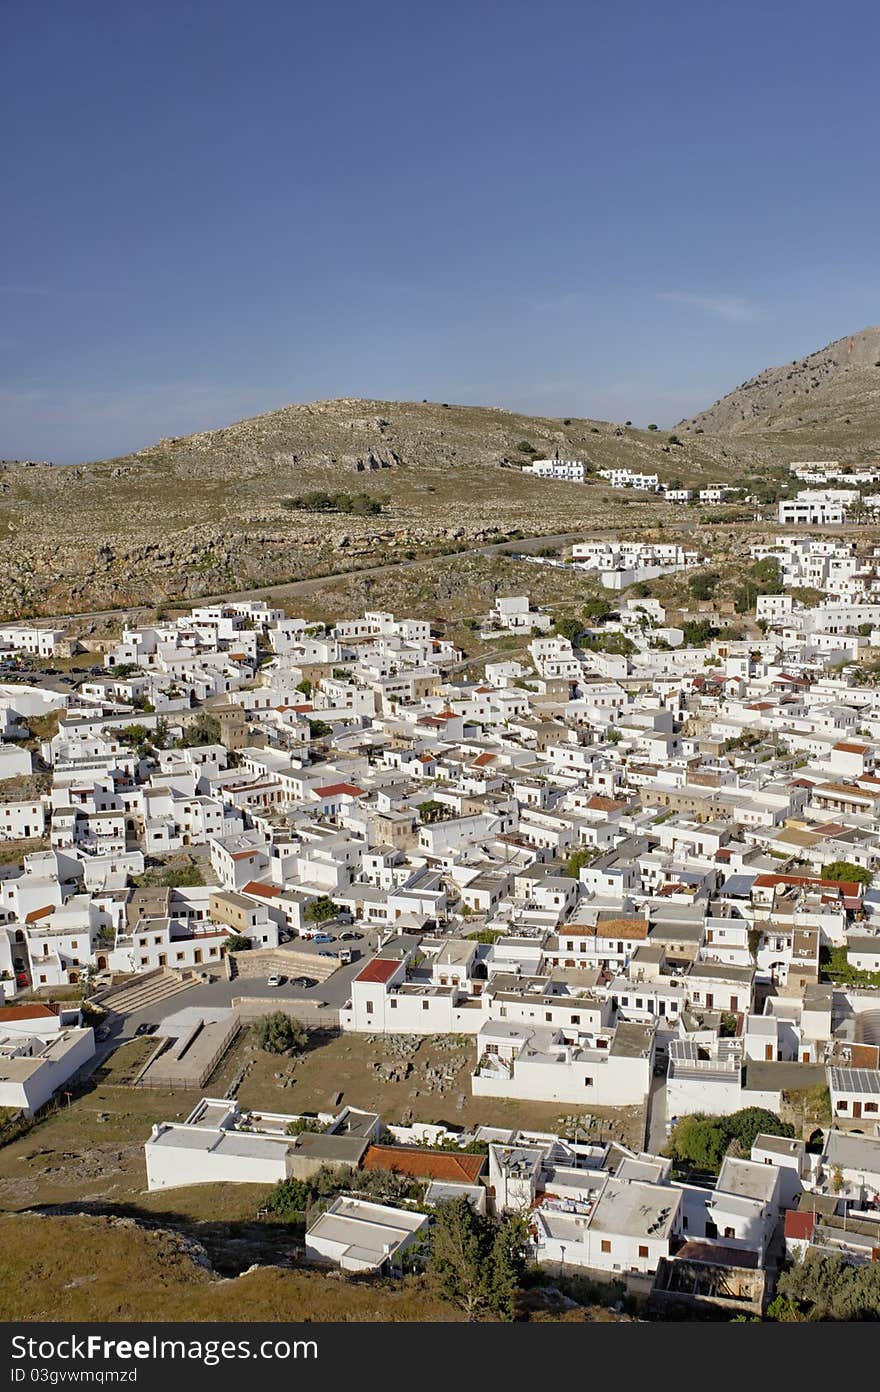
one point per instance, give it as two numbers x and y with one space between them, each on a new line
380 970
333 788
852 748
27 1012
848 888
264 890
622 928
483 759
39 913
799 1225
243 855
425 1164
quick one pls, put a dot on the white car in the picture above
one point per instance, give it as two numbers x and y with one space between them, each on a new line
273 980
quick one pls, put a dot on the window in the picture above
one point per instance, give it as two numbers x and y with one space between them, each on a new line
588 1082
548 1014
369 1007
393 1004
426 1005
643 1251
575 1019
729 1232
606 1245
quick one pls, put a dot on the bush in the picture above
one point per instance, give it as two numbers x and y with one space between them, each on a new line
843 870
238 943
358 504
320 909
703 1141
704 584
826 1287
278 1033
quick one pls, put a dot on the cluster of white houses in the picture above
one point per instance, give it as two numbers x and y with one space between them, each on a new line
602 1206
578 471
600 870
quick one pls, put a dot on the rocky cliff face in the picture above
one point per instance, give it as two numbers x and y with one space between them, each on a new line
834 390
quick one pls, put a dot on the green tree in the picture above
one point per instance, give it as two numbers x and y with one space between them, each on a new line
238 943
432 811
305 686
205 729
698 632
826 1287
597 609
319 910
568 628
700 1141
278 1033
749 1122
475 1262
846 870
578 859
704 584
767 572
703 1141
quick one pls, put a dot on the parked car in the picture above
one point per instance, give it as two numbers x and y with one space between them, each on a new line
327 953
102 1032
304 982
322 937
146 1028
274 980
350 937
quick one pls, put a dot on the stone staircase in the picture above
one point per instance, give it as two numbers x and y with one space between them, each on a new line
150 989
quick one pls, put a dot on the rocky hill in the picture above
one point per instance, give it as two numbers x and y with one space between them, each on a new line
206 514
831 397
212 513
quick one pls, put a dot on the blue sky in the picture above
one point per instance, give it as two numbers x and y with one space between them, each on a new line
212 209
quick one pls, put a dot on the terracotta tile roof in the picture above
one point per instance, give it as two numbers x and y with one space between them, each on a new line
451 1166
264 890
622 928
332 789
598 803
799 1225
847 888
847 748
380 970
483 759
27 1012
36 914
243 855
